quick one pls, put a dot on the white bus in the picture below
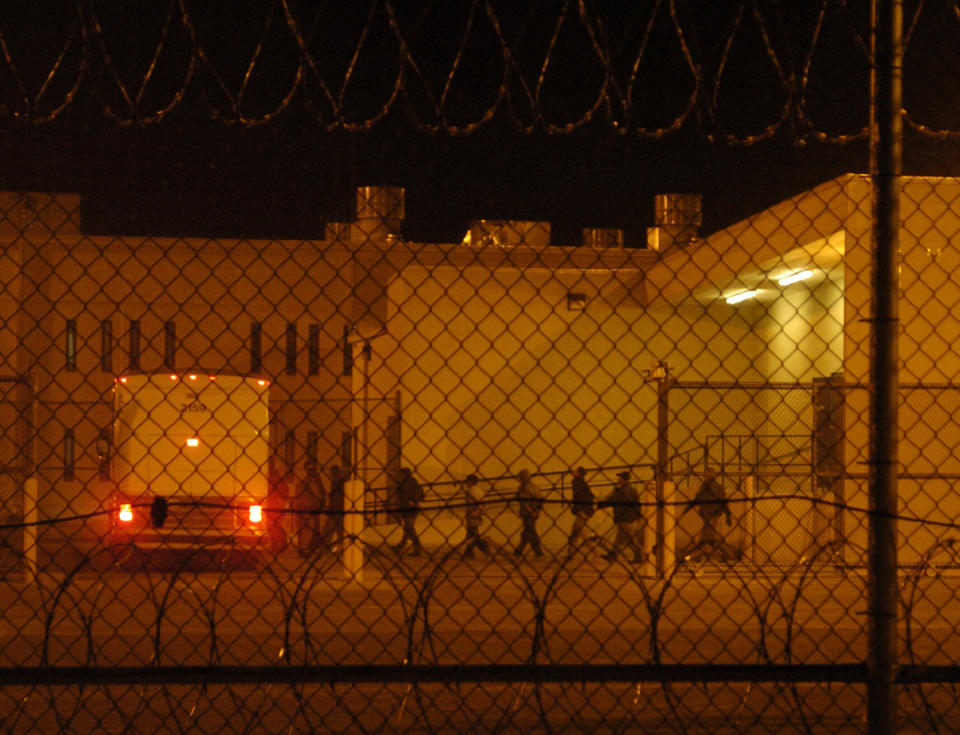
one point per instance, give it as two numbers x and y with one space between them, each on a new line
190 459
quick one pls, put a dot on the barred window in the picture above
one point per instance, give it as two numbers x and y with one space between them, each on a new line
134 344
69 452
106 346
170 344
347 351
291 349
313 349
256 347
70 344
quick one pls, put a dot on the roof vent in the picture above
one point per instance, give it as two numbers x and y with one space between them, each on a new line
602 238
507 234
677 218
380 202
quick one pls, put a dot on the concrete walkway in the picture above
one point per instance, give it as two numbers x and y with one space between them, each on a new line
444 528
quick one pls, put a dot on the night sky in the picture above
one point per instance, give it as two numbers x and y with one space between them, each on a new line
198 173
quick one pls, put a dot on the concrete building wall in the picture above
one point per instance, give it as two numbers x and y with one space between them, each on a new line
500 357
498 373
930 354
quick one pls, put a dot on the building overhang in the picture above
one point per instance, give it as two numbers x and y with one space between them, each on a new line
806 232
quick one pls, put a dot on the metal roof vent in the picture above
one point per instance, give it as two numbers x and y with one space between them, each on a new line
507 234
677 218
602 238
380 202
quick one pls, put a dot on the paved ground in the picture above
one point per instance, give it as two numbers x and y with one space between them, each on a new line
440 609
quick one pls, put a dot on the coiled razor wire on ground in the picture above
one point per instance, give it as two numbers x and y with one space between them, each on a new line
409 650
454 69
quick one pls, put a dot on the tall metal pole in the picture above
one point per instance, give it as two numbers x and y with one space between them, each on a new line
663 458
367 354
887 151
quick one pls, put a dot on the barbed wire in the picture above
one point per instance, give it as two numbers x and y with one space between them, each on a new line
299 629
453 70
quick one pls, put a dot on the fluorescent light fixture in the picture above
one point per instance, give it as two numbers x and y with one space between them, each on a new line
795 277
742 296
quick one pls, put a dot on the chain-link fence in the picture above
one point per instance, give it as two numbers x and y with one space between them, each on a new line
614 475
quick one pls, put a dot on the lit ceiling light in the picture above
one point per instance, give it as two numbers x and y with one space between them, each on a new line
795 277
193 442
742 296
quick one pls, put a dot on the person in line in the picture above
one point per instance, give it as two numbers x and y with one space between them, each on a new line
531 503
332 531
310 500
711 503
409 497
581 507
473 496
627 517
278 495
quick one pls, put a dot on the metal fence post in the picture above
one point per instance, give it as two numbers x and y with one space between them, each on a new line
886 152
662 375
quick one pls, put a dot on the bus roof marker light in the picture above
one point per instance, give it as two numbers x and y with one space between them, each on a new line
173 377
192 377
742 296
795 277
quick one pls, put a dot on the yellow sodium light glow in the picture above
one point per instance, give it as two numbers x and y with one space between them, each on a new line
742 296
193 442
256 513
126 512
795 277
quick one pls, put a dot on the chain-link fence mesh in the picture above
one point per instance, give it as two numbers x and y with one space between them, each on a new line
606 475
